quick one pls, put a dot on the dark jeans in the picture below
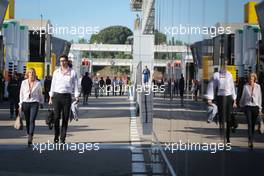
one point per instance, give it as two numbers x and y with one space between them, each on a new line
46 96
30 111
13 106
61 104
225 107
251 113
86 93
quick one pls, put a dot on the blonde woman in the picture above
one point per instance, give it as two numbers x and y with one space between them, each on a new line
29 100
251 101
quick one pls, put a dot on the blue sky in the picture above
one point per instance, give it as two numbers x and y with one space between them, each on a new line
103 13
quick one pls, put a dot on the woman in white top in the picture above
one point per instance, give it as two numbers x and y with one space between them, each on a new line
29 100
251 101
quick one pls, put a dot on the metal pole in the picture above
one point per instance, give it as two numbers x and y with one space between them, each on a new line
40 32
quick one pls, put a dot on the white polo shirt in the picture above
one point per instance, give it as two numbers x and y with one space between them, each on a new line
224 83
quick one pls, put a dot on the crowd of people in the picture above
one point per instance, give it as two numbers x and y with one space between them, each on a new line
27 94
102 86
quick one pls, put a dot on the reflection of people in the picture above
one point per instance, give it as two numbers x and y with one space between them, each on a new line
251 100
181 88
102 86
137 23
222 85
64 83
30 98
146 75
96 87
108 84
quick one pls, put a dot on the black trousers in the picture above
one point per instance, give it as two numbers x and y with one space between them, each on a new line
225 107
62 107
13 106
251 113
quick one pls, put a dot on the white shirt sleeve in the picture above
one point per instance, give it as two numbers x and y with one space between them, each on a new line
53 82
41 98
233 90
210 90
21 97
260 98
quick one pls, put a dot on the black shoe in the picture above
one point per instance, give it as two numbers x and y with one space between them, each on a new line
30 139
62 141
233 130
56 140
250 145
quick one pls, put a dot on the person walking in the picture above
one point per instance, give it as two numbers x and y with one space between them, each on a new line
114 85
108 85
96 87
221 87
181 88
64 83
121 83
87 85
30 98
251 101
13 95
2 87
102 86
47 84
146 75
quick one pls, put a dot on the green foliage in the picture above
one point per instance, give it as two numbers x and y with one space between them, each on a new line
112 35
160 38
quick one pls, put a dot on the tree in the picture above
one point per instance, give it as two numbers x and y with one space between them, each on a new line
112 35
82 41
160 38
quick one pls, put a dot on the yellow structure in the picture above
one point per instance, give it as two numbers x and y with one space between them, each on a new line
207 67
53 63
39 67
232 70
250 15
10 11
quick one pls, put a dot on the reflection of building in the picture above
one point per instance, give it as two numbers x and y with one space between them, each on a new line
60 47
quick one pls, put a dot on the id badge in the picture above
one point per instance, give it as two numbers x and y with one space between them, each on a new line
223 83
68 78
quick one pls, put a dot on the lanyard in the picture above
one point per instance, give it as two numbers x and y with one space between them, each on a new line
252 93
30 88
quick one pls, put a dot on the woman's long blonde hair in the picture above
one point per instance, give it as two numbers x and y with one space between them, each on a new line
33 71
253 75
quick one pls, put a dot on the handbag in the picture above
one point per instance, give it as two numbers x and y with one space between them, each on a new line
18 122
50 118
234 122
260 124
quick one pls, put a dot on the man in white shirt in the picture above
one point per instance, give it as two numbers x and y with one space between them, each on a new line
221 88
64 83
